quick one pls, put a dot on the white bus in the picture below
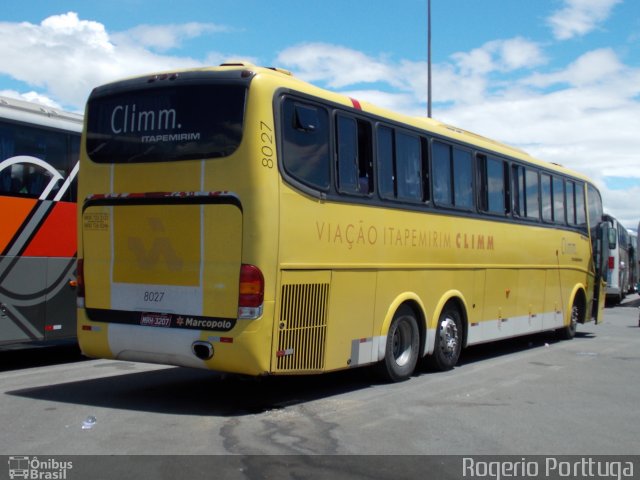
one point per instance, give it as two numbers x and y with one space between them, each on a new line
618 265
634 266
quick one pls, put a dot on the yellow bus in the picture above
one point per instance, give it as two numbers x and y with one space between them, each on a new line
241 220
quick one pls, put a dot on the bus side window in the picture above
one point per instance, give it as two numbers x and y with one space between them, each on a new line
518 190
365 158
571 202
559 213
581 207
5 181
462 179
355 169
547 197
452 176
532 192
441 166
347 144
493 178
305 135
408 167
400 164
526 192
594 204
386 170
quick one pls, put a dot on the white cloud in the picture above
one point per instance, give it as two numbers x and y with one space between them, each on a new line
66 56
500 55
165 37
337 66
579 17
597 66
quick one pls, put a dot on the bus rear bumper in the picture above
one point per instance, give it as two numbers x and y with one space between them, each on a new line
179 347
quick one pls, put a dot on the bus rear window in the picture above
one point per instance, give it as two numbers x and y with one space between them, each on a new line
165 124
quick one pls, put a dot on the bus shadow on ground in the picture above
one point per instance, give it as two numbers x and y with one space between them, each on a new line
31 356
485 351
175 390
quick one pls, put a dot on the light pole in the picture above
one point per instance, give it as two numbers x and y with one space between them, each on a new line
429 58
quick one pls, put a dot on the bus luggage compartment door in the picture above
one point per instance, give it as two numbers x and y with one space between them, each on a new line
177 256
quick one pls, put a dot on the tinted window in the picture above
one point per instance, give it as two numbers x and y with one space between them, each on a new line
546 197
558 200
526 201
386 175
452 176
37 161
408 167
519 206
594 204
305 134
581 215
165 124
533 200
365 158
441 167
571 203
399 165
355 168
492 179
462 178
347 155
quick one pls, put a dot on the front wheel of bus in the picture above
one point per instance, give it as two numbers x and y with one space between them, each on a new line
401 352
448 340
568 332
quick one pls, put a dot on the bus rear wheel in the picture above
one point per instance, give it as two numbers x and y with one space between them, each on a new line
402 347
448 340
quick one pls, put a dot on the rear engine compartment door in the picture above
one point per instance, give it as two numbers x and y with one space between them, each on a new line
163 260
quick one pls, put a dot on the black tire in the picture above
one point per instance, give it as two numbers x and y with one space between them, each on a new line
568 332
448 345
402 348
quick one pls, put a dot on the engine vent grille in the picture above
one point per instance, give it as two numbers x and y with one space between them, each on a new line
302 329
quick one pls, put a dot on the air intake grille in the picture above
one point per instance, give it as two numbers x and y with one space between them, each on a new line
302 327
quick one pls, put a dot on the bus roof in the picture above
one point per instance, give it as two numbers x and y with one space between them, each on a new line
286 79
36 114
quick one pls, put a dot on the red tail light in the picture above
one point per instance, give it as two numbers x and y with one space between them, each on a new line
80 278
251 292
611 263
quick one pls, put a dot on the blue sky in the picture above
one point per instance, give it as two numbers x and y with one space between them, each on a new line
558 78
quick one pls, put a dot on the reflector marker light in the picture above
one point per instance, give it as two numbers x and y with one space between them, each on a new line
284 353
221 339
91 328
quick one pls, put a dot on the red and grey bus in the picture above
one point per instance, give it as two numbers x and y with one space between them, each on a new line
39 149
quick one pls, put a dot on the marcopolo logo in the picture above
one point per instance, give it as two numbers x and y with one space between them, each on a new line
203 323
38 469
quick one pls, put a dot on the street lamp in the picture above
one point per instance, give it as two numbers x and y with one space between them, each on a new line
429 58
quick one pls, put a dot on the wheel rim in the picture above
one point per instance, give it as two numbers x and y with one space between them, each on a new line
402 343
575 313
449 338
